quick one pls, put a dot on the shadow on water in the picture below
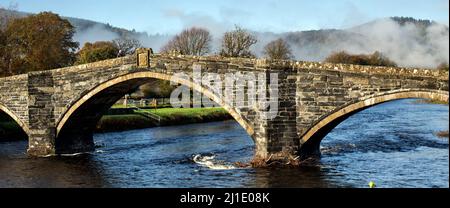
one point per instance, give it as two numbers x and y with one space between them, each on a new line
19 170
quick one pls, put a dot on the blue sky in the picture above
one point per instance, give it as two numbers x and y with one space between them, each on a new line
171 16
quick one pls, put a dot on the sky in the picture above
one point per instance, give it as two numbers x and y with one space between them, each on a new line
171 16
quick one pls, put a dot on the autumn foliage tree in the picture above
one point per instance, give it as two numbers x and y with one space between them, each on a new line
3 55
38 42
278 49
194 41
375 59
237 43
98 51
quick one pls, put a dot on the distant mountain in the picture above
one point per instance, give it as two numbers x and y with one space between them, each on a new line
405 40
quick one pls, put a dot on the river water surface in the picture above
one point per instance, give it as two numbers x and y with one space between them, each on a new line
391 144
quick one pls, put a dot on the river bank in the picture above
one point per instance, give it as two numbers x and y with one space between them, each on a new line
120 119
123 119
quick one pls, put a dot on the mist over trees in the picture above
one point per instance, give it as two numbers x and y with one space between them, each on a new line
193 41
237 43
102 50
278 49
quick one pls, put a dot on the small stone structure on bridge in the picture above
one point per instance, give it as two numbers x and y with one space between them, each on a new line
58 109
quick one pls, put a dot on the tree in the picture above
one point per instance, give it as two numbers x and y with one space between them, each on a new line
126 46
3 55
375 59
237 43
193 41
98 51
278 49
157 89
379 59
39 42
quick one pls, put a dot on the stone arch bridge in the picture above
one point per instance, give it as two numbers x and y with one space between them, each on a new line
58 109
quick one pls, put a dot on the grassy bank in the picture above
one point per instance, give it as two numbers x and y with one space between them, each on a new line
110 123
168 117
175 116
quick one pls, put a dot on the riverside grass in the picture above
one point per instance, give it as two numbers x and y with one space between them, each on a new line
169 117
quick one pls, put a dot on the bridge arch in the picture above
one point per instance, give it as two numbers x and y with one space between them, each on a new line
11 114
116 85
310 141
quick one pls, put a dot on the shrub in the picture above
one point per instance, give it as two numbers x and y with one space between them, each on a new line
375 59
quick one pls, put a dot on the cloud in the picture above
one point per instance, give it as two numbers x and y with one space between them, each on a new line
409 44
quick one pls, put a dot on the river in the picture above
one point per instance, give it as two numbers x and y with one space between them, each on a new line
391 144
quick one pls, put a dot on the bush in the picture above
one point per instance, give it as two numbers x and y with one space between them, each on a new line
375 59
98 51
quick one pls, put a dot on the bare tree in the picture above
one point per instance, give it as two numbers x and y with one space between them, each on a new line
237 43
193 41
7 14
278 49
126 45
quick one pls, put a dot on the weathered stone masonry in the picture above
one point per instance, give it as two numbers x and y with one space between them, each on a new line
58 109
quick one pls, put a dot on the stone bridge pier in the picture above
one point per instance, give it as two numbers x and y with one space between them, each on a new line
59 109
